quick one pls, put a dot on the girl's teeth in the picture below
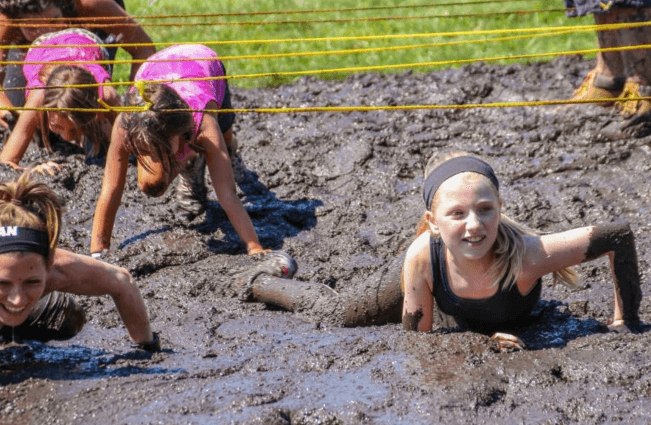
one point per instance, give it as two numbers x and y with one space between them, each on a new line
14 309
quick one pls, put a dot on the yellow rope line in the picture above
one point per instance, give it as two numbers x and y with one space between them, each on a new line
336 108
360 68
277 12
92 24
296 54
572 28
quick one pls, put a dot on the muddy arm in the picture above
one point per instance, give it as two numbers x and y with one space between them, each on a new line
82 275
115 173
618 242
21 136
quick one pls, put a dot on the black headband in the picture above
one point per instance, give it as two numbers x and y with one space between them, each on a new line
15 239
451 167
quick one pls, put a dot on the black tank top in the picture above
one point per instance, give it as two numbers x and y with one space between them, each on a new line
505 307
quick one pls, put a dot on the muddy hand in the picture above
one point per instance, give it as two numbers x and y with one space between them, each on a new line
506 341
50 168
618 326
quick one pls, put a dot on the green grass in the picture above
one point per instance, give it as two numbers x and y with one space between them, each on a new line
188 29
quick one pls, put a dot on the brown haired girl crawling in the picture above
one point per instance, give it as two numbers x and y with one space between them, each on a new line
168 141
35 274
88 129
469 265
38 17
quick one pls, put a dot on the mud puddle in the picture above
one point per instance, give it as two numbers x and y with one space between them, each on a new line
341 192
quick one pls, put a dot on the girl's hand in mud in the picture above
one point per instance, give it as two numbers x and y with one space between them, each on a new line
50 168
618 326
507 342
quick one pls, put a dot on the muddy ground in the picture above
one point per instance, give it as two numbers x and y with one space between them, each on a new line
341 192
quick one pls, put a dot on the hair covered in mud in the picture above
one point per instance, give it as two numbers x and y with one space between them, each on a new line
75 97
31 204
509 248
150 131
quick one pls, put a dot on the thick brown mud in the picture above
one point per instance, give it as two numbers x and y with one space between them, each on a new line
341 192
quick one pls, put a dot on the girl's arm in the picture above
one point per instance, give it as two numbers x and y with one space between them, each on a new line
221 174
130 33
22 134
79 274
7 35
549 253
418 304
115 174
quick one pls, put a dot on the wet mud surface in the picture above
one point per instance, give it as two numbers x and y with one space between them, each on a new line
341 192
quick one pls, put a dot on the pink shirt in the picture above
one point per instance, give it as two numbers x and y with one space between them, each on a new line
76 54
197 94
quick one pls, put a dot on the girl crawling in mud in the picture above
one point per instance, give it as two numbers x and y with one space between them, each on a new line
469 265
39 17
36 276
167 140
88 129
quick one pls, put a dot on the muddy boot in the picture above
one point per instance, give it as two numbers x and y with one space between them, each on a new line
634 125
191 193
276 263
597 86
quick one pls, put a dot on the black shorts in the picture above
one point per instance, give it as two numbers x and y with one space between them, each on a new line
56 316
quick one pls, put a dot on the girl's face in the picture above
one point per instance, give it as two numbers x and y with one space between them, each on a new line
48 16
22 283
466 213
64 127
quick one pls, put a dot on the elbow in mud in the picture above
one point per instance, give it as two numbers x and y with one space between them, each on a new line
612 237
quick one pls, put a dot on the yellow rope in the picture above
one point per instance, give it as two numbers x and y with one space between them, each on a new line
297 54
336 108
569 28
360 68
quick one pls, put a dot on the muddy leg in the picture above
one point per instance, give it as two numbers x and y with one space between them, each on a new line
375 301
609 64
637 63
607 79
618 239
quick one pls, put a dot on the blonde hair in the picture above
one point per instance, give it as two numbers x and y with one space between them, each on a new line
31 204
74 97
509 248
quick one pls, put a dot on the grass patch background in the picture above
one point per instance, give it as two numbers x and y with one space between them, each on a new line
438 16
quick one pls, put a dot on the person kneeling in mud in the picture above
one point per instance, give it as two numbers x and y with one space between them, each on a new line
45 82
36 276
469 266
168 141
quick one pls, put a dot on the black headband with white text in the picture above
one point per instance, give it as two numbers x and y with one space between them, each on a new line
23 239
451 167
